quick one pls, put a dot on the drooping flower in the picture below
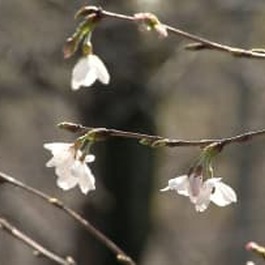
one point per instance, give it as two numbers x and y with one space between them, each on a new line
200 192
87 70
70 166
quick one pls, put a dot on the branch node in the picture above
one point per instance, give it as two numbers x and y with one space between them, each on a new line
55 202
70 260
196 46
124 259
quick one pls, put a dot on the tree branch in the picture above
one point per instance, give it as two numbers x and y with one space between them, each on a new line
40 250
201 43
155 140
120 254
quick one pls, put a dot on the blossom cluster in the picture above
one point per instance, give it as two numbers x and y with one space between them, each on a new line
200 192
70 161
71 166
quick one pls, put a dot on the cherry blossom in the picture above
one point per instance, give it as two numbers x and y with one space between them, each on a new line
200 192
87 70
70 167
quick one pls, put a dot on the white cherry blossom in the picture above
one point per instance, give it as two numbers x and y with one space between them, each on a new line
87 70
202 193
71 171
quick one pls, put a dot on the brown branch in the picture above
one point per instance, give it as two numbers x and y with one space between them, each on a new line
155 140
120 254
39 249
201 43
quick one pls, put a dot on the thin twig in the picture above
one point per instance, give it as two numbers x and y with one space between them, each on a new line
120 254
158 141
40 250
201 43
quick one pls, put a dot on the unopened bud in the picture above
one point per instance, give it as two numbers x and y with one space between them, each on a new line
256 248
196 46
151 22
70 47
71 127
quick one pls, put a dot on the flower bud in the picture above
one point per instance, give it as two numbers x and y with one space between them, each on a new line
151 22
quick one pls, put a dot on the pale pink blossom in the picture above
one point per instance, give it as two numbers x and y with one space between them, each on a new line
70 168
200 192
87 70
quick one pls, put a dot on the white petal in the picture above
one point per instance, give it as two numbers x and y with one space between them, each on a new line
250 262
100 69
201 207
66 183
223 194
202 201
62 152
65 178
83 74
57 147
84 175
87 181
90 158
51 162
180 184
195 184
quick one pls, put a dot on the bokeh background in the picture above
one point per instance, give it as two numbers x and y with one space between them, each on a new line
156 87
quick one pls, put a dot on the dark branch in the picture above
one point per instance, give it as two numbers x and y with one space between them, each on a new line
39 249
155 140
120 254
201 43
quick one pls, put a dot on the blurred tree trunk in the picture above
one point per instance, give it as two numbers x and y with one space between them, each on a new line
244 110
123 167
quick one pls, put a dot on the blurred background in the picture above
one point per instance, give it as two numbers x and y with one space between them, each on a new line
156 87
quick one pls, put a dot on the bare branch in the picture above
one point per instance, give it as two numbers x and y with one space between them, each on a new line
39 249
201 43
158 141
121 256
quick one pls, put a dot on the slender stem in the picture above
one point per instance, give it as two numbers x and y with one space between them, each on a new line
158 141
240 138
201 43
120 254
40 250
117 15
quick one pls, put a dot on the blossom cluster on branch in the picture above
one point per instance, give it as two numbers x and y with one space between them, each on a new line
69 161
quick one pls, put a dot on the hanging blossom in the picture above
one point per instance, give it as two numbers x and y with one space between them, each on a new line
200 192
71 166
89 68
